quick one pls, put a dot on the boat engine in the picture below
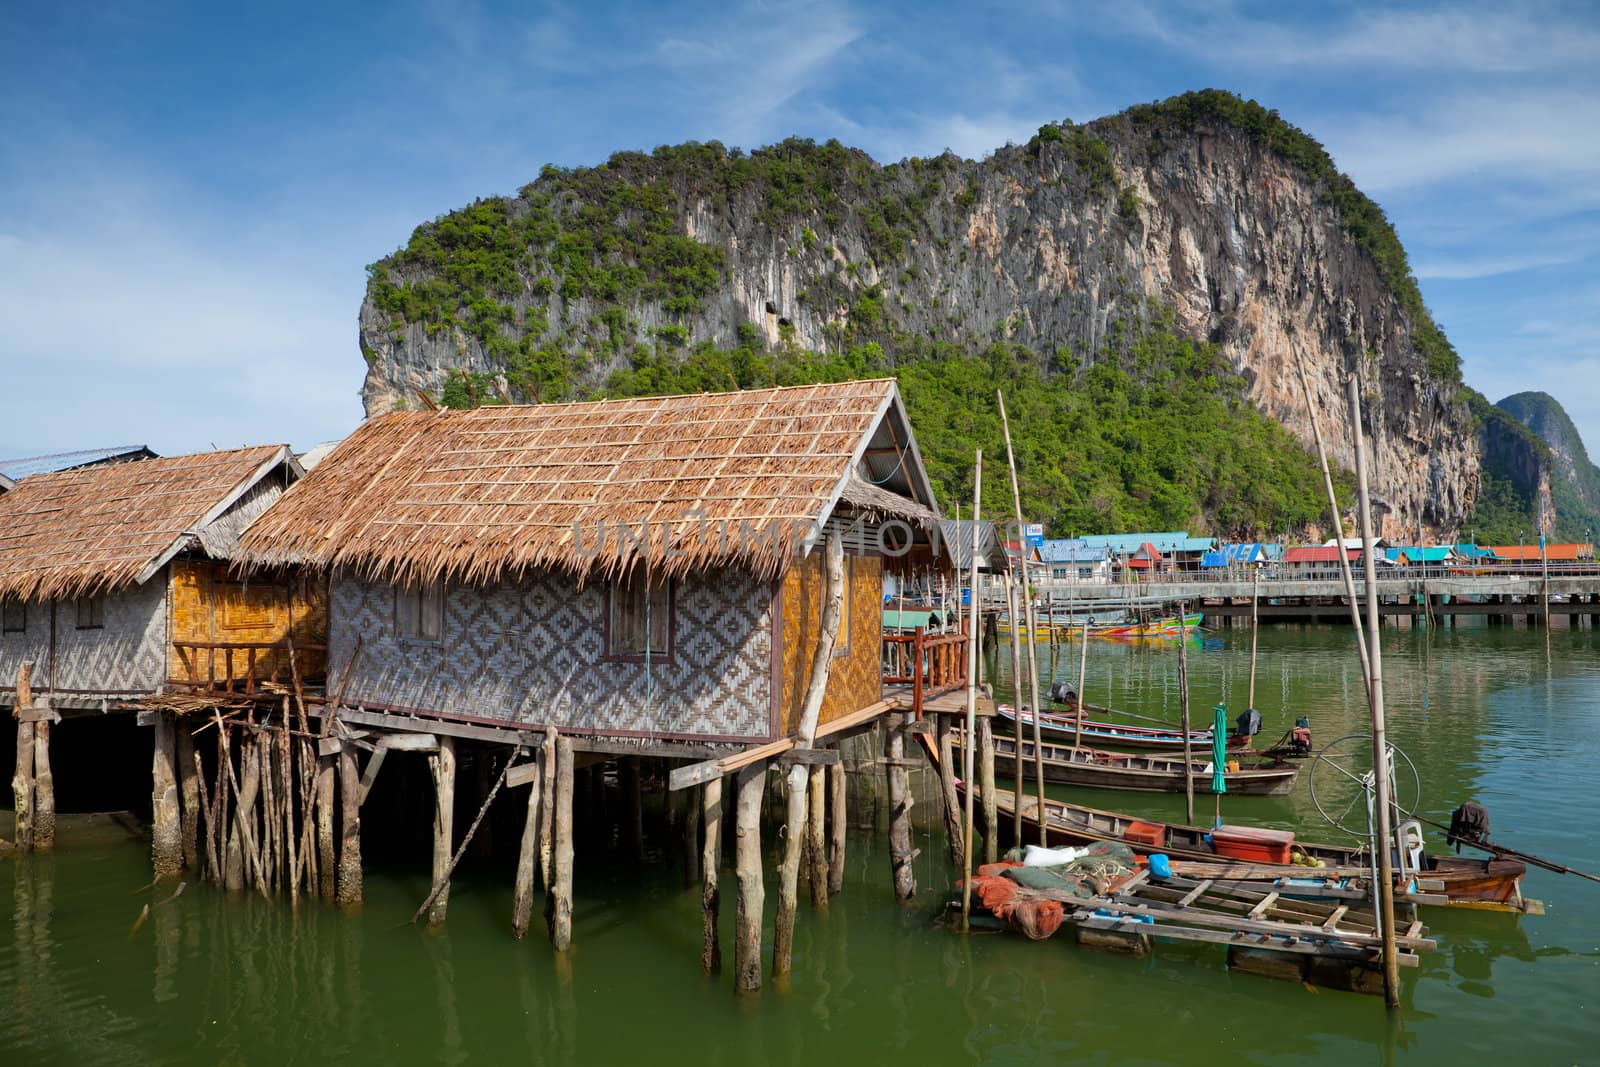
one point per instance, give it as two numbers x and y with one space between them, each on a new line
1248 724
1300 736
1063 693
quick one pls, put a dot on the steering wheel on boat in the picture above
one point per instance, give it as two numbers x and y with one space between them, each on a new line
1340 792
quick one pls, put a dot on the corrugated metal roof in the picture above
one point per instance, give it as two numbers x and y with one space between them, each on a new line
1420 553
17 469
1071 550
1167 541
1318 554
955 541
1237 552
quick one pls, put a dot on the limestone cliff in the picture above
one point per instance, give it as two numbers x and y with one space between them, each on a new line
1206 214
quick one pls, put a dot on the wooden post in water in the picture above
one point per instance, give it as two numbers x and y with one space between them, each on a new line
189 792
1380 749
630 772
1183 705
747 868
1255 629
901 853
561 859
528 853
22 785
1083 680
1027 607
442 768
949 801
349 888
816 837
691 833
710 873
789 870
327 864
547 806
1016 717
166 839
838 826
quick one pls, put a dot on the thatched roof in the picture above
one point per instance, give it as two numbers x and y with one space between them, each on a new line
489 493
98 529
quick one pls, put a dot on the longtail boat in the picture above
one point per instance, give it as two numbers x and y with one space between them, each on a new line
1460 881
1062 727
1165 627
1144 772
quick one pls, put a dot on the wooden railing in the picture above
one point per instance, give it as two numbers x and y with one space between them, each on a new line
286 659
929 663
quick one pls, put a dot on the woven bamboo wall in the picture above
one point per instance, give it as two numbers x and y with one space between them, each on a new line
124 657
209 607
855 678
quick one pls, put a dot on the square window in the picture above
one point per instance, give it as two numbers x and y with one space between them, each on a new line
637 620
91 612
419 611
13 616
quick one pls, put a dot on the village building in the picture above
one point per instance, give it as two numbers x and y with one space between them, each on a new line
1071 562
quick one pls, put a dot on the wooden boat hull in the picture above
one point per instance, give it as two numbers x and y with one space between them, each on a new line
1062 729
1141 773
1463 880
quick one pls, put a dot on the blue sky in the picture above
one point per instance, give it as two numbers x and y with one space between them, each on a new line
189 193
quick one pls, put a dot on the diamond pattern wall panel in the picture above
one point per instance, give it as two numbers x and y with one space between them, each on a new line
533 652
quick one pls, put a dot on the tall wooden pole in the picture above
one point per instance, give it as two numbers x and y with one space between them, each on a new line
1255 628
1016 718
560 909
901 853
1337 520
967 754
189 791
1183 705
1027 604
1380 748
442 768
838 826
166 844
349 878
528 855
1083 680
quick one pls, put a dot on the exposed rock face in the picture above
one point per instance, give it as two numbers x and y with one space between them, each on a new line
1056 244
1577 502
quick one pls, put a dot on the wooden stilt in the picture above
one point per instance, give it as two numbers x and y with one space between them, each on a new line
255 861
547 806
44 790
561 857
747 867
326 863
166 845
816 837
794 829
633 807
528 855
349 881
690 814
442 766
947 793
838 827
22 790
900 851
710 872
991 806
189 795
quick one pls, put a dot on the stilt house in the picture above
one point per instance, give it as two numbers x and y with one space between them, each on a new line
114 580
644 568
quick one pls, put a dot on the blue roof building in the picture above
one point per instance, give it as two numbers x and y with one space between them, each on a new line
18 469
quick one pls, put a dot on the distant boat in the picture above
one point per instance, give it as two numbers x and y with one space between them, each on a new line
1144 772
1062 727
1167 627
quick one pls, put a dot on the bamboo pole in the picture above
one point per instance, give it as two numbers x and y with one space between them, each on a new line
1255 631
1380 749
901 854
710 873
974 613
1027 607
1183 706
1338 522
561 859
528 856
1083 680
1016 720
747 867
22 785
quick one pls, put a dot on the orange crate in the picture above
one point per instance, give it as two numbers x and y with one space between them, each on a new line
1151 834
1252 844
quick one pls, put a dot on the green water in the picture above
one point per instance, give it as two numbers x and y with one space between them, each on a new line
1484 713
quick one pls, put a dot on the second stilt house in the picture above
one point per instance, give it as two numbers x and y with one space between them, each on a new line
638 568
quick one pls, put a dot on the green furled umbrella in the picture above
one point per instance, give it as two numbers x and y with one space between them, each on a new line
1219 750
